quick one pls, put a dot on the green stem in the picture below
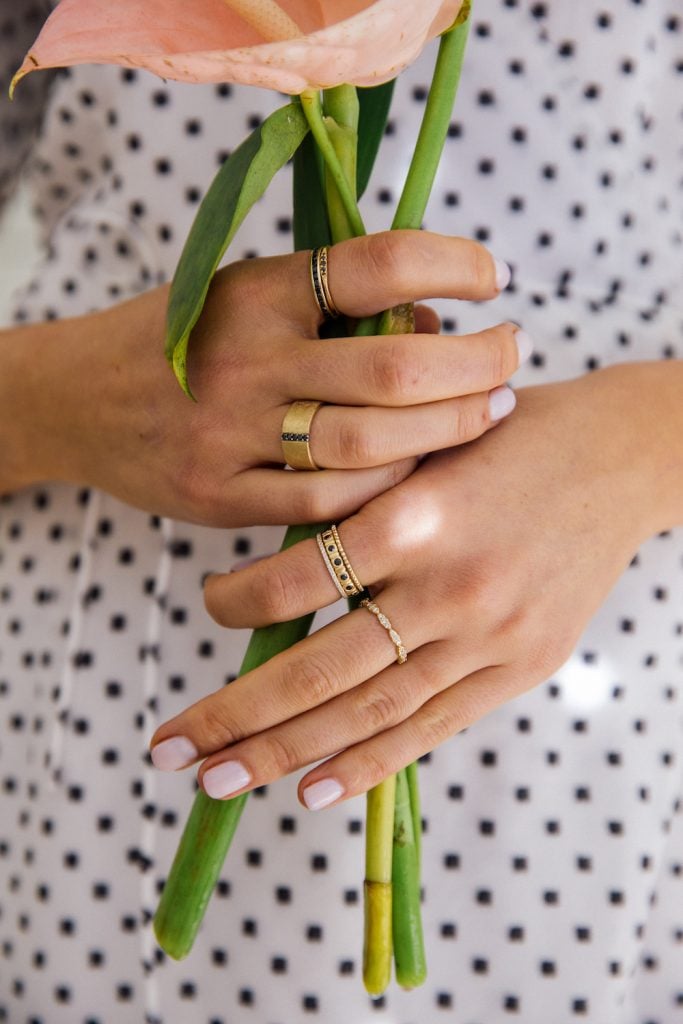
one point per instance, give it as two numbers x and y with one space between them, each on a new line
310 102
409 951
377 946
434 129
341 112
211 825
414 792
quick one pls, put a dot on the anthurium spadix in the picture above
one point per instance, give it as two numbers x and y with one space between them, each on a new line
290 46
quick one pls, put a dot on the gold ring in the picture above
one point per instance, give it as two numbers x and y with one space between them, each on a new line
401 652
337 563
321 287
296 434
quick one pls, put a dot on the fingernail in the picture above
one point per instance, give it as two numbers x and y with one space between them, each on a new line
503 274
322 793
525 345
246 562
501 402
176 752
224 779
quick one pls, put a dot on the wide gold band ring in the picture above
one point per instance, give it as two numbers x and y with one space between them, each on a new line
296 435
321 287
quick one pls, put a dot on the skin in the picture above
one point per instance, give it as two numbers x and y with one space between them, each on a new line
256 349
565 490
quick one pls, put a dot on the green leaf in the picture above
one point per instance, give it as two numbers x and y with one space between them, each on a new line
240 182
311 225
375 104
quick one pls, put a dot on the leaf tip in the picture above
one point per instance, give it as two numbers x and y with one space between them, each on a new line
179 364
22 72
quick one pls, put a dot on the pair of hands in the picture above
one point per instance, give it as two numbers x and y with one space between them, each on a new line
489 559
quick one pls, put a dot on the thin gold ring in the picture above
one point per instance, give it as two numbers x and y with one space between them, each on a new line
320 282
401 652
296 435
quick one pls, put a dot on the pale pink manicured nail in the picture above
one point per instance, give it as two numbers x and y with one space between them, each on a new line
322 793
224 779
176 752
503 274
525 345
501 402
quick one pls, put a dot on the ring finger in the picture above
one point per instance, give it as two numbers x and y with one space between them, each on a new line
376 705
316 670
349 437
298 581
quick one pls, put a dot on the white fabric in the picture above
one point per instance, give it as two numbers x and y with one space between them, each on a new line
553 853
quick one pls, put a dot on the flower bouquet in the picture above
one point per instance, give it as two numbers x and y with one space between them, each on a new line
336 59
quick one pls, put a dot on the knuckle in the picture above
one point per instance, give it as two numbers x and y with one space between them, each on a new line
435 726
379 712
371 768
390 255
355 447
214 600
276 758
479 269
496 354
240 284
545 652
197 493
215 727
309 677
471 419
270 595
396 370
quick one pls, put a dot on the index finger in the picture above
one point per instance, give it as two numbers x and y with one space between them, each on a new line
369 274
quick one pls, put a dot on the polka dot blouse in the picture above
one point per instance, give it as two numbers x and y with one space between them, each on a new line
553 846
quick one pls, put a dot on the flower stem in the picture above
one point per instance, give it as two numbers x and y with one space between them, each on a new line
408 941
377 946
434 129
409 951
341 111
312 108
414 791
211 825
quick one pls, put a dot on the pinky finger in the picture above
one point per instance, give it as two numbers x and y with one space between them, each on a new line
359 768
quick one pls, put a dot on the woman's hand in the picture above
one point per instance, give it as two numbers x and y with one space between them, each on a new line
92 400
489 561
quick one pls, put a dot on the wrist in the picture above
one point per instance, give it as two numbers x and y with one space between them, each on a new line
21 407
48 378
648 427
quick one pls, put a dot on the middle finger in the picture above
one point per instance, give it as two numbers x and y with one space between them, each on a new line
334 659
403 369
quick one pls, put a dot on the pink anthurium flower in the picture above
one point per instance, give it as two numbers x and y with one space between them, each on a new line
290 46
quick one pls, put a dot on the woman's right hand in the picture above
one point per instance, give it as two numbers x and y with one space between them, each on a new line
92 400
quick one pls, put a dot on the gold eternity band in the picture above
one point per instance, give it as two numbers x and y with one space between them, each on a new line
401 652
296 435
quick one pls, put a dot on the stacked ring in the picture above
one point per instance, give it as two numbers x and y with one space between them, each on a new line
337 563
319 280
401 653
296 435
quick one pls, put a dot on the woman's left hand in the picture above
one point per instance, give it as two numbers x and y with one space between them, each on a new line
489 561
